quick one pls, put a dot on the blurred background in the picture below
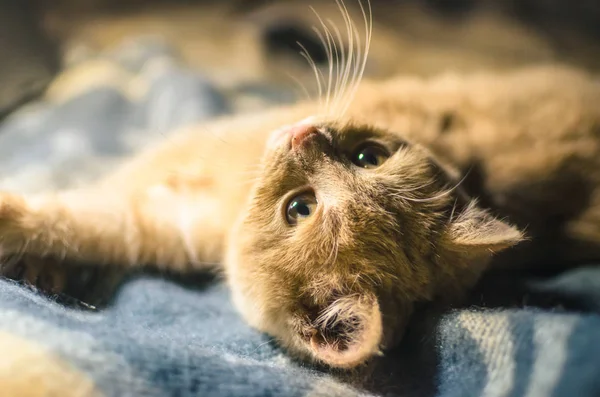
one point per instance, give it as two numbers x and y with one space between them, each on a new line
250 45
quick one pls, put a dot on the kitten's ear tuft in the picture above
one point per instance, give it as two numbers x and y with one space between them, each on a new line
475 230
348 332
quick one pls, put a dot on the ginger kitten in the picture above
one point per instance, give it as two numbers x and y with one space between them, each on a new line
331 220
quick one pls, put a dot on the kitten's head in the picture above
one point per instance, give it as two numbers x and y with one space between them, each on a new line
347 228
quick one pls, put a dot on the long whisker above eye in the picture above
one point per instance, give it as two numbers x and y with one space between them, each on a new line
413 188
350 32
340 60
362 58
444 193
346 66
318 74
301 86
328 43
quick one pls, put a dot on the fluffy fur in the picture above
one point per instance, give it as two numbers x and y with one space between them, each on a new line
341 285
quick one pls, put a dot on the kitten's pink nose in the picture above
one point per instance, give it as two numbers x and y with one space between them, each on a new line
302 133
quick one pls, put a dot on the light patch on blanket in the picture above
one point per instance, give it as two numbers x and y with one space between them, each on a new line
79 349
549 362
329 387
29 370
67 141
495 340
319 385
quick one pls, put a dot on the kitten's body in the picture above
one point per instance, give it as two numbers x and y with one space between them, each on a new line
526 144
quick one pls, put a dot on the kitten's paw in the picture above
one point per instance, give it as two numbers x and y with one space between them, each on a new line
45 274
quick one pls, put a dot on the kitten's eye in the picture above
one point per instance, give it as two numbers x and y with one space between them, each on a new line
300 207
370 156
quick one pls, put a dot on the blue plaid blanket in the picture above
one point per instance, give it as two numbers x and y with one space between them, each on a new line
159 337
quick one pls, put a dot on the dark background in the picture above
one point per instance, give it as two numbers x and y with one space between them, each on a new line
38 37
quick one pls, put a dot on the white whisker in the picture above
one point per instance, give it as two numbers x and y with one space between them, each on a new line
346 60
350 31
442 194
412 189
302 86
368 22
328 43
453 210
318 74
325 41
340 60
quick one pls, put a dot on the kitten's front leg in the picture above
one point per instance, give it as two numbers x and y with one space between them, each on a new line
97 227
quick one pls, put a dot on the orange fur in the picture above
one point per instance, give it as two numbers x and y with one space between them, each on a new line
342 284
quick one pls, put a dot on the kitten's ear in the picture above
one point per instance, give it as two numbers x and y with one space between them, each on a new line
347 332
475 230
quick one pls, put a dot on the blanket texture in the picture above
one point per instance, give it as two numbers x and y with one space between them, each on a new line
158 337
